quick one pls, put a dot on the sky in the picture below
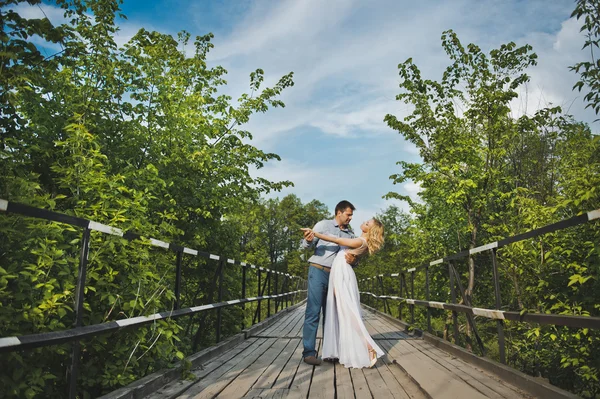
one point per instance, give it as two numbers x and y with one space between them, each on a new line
344 54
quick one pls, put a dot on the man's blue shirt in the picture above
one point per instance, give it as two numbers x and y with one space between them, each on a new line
325 251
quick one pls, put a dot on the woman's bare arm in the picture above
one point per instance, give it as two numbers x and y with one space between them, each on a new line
347 242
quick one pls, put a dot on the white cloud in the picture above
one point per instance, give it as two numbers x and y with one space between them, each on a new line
551 80
40 11
346 79
412 189
298 172
312 180
368 119
344 54
56 15
270 25
126 31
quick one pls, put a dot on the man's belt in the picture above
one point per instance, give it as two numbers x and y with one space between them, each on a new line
325 269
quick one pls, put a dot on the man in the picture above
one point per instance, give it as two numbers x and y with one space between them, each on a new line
318 273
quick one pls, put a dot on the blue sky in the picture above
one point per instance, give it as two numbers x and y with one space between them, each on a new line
344 54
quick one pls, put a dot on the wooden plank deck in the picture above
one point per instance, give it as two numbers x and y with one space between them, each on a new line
269 365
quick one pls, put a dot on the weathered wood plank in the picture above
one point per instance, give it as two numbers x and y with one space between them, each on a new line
391 326
323 382
272 367
268 378
245 380
219 378
302 380
283 330
174 388
343 382
284 380
297 331
361 388
300 327
410 387
381 330
290 329
396 390
266 394
377 385
482 381
433 378
273 329
408 384
320 328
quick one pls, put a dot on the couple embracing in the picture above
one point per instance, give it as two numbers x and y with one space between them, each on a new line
332 287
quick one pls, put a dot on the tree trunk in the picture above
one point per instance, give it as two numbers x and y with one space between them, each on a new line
517 288
471 284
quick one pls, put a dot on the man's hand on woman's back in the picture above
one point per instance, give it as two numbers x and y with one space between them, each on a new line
351 258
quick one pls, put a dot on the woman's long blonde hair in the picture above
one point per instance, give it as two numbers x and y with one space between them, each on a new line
375 238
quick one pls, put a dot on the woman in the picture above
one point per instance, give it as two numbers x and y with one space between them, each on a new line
345 336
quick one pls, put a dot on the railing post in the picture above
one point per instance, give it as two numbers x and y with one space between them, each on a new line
386 305
178 279
412 296
287 287
259 294
375 299
79 299
281 291
269 272
220 297
453 297
361 290
305 284
295 288
401 277
378 290
243 296
428 298
278 299
499 323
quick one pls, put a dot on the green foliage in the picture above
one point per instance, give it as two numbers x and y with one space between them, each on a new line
589 69
271 235
137 137
486 175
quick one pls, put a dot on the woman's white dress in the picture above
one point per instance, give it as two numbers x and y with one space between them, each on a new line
345 336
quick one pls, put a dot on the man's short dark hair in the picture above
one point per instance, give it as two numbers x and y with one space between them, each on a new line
342 206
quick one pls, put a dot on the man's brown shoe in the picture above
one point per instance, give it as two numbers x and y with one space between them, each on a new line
312 360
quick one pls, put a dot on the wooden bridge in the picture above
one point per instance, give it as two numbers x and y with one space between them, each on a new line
264 360
267 363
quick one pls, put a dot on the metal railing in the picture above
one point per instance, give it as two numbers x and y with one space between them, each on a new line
291 290
371 285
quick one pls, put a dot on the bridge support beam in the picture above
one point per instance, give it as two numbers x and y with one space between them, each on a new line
499 323
79 299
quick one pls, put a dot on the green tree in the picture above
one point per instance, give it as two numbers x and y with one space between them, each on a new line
461 135
136 137
486 175
589 70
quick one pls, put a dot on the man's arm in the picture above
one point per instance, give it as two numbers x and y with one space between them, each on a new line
309 239
347 242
